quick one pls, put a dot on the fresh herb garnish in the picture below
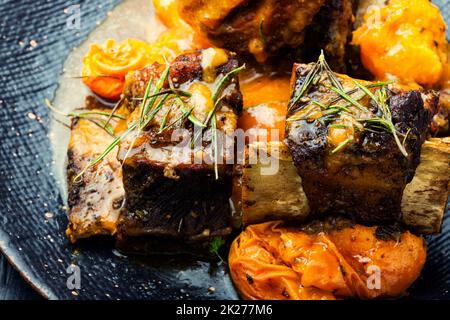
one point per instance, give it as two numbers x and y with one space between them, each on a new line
380 99
349 99
215 245
342 145
211 120
261 33
92 116
186 112
385 120
314 76
153 102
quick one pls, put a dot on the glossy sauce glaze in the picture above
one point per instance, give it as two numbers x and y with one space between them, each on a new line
265 93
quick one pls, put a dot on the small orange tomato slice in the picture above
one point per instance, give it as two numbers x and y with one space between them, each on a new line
105 66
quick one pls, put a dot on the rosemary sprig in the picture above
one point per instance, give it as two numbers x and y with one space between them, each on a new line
211 115
261 32
385 121
183 116
81 114
102 124
224 80
163 92
329 106
155 110
108 149
145 98
164 121
313 77
331 75
338 126
115 108
183 107
305 86
146 116
135 125
347 97
158 87
406 136
366 90
215 97
90 116
342 145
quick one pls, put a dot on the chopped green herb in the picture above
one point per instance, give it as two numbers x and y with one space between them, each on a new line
342 145
337 126
349 99
215 245
261 33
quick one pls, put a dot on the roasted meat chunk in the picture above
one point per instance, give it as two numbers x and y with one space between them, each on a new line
96 197
440 125
330 31
177 184
267 27
260 199
355 144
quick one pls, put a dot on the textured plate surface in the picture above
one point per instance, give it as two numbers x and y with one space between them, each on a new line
34 43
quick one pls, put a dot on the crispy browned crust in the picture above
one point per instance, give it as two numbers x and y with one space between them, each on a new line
367 179
184 68
330 31
174 206
278 27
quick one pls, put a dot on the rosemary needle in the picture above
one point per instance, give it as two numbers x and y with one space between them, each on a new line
342 145
382 123
349 99
81 114
261 33
106 151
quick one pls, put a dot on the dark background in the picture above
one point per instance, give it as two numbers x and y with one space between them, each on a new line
21 22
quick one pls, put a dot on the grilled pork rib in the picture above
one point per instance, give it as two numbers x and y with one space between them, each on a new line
95 199
266 28
349 161
172 203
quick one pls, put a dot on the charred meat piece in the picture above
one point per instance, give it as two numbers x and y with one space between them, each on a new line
355 144
330 31
266 28
260 199
95 199
440 125
177 187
